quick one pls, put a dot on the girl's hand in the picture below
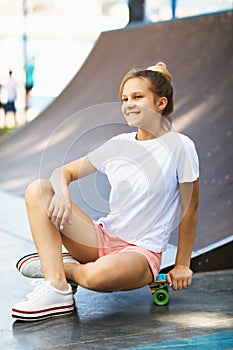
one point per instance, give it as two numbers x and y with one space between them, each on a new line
180 277
60 210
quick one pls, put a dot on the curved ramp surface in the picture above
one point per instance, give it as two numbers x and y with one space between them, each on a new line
198 51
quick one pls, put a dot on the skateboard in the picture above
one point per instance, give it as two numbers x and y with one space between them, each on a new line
159 290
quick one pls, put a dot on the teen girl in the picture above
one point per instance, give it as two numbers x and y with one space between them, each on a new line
153 175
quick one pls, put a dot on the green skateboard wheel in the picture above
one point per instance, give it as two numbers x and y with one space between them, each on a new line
161 297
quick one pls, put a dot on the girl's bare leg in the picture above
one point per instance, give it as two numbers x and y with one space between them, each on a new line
48 239
122 271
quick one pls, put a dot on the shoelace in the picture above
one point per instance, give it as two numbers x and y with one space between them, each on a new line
38 291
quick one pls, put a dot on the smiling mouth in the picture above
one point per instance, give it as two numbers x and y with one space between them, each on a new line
132 114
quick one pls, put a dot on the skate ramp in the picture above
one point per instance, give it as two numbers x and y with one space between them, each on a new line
198 51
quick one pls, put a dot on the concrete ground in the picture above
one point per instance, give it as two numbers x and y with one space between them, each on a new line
197 318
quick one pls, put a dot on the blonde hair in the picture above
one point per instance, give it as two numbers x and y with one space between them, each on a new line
161 68
160 83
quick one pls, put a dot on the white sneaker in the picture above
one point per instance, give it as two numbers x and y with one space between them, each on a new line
43 302
29 265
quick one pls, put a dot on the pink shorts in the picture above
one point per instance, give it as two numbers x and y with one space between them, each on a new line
109 244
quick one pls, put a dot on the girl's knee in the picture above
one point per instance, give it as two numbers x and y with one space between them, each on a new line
37 191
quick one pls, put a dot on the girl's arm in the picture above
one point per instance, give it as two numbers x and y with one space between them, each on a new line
60 210
181 275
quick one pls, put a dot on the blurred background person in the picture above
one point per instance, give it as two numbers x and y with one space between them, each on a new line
10 88
1 100
29 80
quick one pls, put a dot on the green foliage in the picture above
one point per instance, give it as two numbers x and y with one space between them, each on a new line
5 130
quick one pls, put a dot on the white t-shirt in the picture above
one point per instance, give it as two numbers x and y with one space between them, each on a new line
144 178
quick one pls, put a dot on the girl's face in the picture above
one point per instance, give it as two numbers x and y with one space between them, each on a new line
139 105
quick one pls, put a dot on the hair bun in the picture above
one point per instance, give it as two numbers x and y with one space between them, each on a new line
161 68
